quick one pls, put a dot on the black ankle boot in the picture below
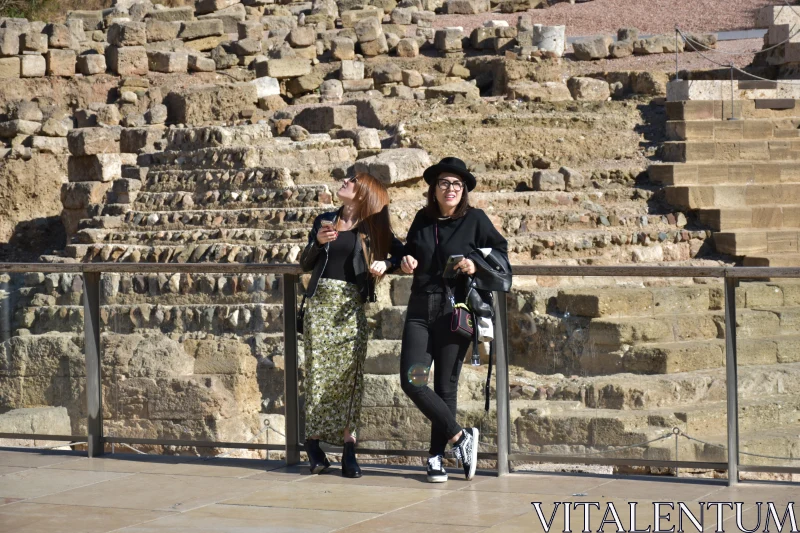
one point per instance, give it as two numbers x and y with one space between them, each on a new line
350 467
317 460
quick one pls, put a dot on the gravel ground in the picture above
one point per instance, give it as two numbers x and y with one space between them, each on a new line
649 16
740 53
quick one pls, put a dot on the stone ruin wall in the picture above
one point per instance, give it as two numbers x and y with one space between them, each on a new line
215 133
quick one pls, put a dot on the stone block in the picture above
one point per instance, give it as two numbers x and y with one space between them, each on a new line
84 194
100 167
17 127
573 180
203 7
168 62
267 86
199 104
375 48
331 90
482 38
304 84
412 78
33 66
351 70
350 18
283 68
92 20
466 7
32 42
9 42
205 44
25 110
592 47
423 19
127 34
358 85
198 29
230 17
448 39
200 63
92 141
456 88
140 140
324 118
176 14
407 48
302 36
250 29
621 49
550 40
91 64
658 44
402 15
343 48
588 89
160 30
128 60
368 29
548 180
395 166
279 23
60 36
61 63
54 127
650 83
387 73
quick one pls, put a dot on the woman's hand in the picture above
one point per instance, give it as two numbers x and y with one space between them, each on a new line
378 268
466 266
326 234
408 264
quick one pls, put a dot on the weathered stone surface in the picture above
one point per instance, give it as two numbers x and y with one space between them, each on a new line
230 17
352 70
324 118
92 141
283 68
84 194
196 105
14 128
200 63
621 49
127 61
140 140
387 73
205 44
466 7
650 83
375 48
9 67
198 29
407 48
363 138
9 42
350 18
127 34
395 166
368 29
100 167
449 39
32 42
168 62
588 89
250 29
60 36
267 86
159 30
658 44
302 36
90 64
343 48
448 90
176 14
592 47
550 91
548 180
33 66
203 7
61 63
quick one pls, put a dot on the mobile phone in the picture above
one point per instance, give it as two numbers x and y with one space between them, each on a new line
450 267
326 223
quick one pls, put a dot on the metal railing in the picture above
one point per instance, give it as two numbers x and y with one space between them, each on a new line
91 273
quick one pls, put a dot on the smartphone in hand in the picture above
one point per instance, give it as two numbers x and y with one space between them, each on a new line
450 268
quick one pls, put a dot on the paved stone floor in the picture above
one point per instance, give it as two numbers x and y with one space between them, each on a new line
55 492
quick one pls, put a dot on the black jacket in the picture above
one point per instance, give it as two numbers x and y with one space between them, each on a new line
315 258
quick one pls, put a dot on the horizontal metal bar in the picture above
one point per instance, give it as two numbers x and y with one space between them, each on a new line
399 453
38 436
520 270
195 443
613 461
770 469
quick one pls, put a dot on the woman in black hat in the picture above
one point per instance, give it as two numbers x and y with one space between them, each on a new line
446 230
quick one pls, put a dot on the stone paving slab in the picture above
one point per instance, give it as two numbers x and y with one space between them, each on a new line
53 492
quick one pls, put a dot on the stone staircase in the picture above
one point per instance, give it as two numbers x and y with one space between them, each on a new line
739 176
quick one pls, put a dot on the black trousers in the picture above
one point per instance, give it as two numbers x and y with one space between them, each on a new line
427 339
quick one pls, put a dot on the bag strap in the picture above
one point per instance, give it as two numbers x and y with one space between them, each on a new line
448 292
486 390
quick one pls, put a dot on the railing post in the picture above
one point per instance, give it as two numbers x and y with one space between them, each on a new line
731 381
91 334
292 410
501 384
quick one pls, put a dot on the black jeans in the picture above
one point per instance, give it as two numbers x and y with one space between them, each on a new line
427 339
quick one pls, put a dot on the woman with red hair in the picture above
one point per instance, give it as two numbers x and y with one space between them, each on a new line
348 250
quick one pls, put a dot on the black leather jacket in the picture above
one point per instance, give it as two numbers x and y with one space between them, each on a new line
315 258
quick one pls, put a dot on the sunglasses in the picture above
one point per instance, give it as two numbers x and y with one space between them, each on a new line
349 180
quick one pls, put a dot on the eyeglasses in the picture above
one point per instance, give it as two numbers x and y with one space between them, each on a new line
349 180
447 184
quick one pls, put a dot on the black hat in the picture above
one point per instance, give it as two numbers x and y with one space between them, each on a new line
450 164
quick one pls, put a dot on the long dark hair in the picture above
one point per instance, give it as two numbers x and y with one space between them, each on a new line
432 207
372 213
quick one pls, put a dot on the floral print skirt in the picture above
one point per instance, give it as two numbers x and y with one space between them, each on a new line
335 343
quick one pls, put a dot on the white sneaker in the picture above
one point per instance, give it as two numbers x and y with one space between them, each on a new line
436 472
466 451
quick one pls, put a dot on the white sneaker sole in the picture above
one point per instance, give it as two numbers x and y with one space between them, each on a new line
437 479
474 459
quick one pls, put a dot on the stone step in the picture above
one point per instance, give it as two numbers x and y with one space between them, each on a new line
303 196
754 217
266 218
724 172
173 237
733 130
721 109
770 260
211 180
221 252
718 196
744 150
757 241
195 138
124 319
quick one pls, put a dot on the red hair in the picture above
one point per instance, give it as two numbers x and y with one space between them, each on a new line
372 213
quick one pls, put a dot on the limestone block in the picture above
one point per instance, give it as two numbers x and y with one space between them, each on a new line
304 84
160 30
84 194
247 47
402 15
54 127
343 49
26 110
412 78
266 86
203 7
375 48
423 19
350 18
176 14
447 90
621 49
61 63
408 48
200 63
9 42
358 85
60 36
368 29
15 128
331 90
230 17
592 47
352 70
652 83
100 167
128 60
658 44
33 66
199 104
627 34
31 42
250 29
283 68
140 140
387 73
92 141
302 36
448 39
168 62
551 40
588 89
92 20
127 34
466 7
548 180
205 44
91 64
481 38
157 114
395 166
198 29
324 118
279 23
